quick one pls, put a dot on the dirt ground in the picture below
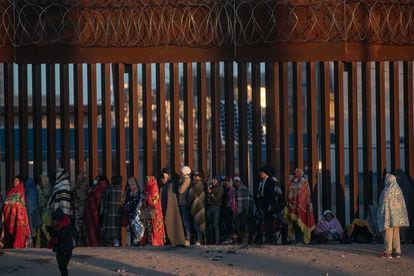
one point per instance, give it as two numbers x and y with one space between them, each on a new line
352 259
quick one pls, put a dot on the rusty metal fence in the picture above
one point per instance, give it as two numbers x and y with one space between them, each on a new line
128 87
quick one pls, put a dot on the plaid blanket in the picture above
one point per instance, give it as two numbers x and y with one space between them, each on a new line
244 200
111 212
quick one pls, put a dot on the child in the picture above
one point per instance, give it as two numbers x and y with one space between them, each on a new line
329 228
62 239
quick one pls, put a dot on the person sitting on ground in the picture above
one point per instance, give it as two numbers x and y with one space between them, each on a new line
62 240
392 215
329 228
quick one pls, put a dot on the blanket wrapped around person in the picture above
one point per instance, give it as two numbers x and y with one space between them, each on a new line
16 222
155 232
299 209
329 228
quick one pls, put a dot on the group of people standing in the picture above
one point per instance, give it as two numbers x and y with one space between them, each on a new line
180 210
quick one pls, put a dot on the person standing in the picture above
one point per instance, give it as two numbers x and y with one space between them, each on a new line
197 208
229 210
215 194
391 216
183 202
299 209
93 217
174 230
155 235
245 217
16 228
80 195
268 201
111 212
132 206
62 239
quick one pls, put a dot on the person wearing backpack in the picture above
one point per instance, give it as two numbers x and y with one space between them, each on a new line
62 233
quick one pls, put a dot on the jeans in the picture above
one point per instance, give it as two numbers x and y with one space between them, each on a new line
63 258
185 215
213 214
198 232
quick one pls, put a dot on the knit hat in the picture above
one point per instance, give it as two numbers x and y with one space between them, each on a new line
236 178
186 170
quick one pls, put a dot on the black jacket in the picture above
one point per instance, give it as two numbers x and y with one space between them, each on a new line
270 200
65 238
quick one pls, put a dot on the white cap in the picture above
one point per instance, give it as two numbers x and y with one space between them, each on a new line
186 170
236 178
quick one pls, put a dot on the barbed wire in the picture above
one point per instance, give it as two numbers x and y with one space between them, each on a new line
204 23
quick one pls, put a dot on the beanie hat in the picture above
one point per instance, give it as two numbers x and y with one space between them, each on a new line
186 170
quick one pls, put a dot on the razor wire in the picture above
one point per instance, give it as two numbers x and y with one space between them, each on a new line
204 23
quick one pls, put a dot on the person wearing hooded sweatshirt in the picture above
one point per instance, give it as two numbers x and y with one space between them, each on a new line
183 201
391 216
62 239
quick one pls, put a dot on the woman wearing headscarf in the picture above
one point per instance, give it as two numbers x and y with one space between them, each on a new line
16 222
392 215
299 210
154 234
329 228
93 220
132 205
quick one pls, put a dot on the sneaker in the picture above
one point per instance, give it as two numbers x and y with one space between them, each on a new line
386 255
397 255
197 243
187 243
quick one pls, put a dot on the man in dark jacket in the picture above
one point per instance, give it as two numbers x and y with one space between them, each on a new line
215 194
268 199
63 242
